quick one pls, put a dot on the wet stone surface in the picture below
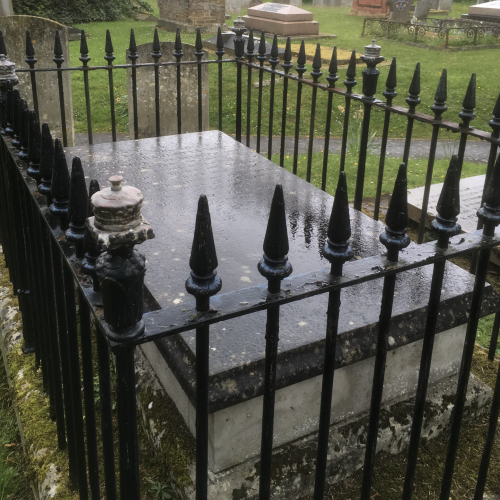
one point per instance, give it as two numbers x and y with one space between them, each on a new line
172 172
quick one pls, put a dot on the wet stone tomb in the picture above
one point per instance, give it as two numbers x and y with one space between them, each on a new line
173 172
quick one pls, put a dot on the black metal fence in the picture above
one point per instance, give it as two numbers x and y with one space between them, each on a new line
48 244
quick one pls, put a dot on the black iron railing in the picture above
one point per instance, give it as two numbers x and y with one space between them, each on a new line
47 241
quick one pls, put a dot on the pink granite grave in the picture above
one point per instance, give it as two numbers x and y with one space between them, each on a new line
285 20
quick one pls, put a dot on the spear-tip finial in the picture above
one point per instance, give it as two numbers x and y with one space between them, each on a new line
394 238
350 80
60 186
93 189
333 69
178 44
46 162
301 59
84 50
35 140
467 114
336 249
204 280
250 43
198 44
275 266
30 50
262 48
448 206
316 72
413 98
287 56
439 106
58 52
274 52
495 120
3 49
78 206
109 44
489 213
132 46
156 42
390 85
220 43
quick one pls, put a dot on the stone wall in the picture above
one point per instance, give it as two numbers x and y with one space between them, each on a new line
235 6
43 35
168 92
191 14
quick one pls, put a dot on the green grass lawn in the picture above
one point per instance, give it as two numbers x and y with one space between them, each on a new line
332 20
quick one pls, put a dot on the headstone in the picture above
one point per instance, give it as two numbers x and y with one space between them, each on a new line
228 41
370 7
295 3
6 8
168 92
187 15
284 20
422 9
400 10
235 6
43 35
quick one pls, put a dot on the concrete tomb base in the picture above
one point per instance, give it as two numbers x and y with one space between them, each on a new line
285 20
488 9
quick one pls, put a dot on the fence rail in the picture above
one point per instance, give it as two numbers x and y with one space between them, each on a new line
49 240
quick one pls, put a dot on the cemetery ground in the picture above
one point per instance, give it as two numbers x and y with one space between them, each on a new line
389 469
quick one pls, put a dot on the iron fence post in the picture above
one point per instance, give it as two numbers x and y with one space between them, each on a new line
349 82
84 58
31 61
203 283
156 55
239 52
116 227
370 74
316 74
59 59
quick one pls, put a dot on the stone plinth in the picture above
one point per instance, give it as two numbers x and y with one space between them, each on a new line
486 9
168 93
187 15
43 35
285 20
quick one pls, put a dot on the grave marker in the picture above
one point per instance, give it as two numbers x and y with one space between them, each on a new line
168 92
284 20
42 35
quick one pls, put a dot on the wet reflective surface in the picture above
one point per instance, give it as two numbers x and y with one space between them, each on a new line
172 172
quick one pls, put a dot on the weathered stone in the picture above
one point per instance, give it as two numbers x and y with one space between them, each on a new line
187 15
400 10
422 9
6 8
43 35
168 92
235 6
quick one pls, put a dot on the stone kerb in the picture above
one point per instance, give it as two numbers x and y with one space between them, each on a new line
168 92
43 36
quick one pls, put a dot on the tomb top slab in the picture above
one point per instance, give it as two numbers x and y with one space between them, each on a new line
486 9
471 191
173 172
280 12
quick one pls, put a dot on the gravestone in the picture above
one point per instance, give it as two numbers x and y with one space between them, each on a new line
400 10
235 6
43 36
285 20
295 3
422 9
6 8
370 7
168 92
187 15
